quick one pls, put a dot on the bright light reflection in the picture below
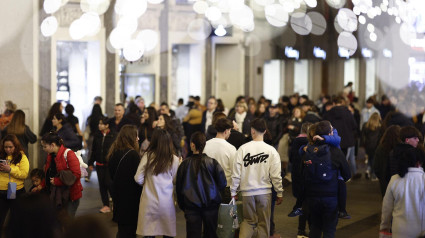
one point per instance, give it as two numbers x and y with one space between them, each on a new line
370 27
133 50
220 31
149 38
49 26
200 7
51 6
362 19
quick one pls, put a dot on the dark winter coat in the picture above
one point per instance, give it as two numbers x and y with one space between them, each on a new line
100 147
200 190
342 119
125 191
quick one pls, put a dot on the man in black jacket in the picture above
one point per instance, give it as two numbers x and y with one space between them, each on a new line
342 119
322 196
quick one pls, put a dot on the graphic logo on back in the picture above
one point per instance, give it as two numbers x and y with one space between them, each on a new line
255 159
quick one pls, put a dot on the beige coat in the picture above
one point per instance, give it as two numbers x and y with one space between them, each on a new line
157 214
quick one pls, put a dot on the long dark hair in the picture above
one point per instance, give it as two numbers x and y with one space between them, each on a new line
17 124
96 114
54 109
126 139
168 126
17 153
153 116
390 138
199 140
160 152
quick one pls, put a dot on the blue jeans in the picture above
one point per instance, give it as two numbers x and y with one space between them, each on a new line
323 216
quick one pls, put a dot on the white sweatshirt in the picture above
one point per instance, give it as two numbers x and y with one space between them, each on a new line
256 167
224 153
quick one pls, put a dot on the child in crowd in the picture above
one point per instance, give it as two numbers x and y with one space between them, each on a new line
333 140
37 176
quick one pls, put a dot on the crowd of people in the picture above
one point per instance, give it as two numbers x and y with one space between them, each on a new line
208 155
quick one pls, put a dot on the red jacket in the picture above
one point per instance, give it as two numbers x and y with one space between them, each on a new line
74 165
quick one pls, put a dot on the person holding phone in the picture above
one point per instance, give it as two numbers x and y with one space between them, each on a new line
14 167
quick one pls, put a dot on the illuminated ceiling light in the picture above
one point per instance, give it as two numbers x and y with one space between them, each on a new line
357 10
77 29
133 50
347 41
51 6
92 22
213 13
347 19
200 7
118 38
319 23
370 27
362 19
133 8
220 31
276 15
311 3
149 38
336 3
264 2
49 26
127 24
301 23
288 5
155 1
373 37
97 6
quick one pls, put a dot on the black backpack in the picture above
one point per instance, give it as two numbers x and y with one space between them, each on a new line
318 164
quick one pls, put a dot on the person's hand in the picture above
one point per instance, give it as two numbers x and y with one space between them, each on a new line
279 200
317 137
235 125
52 181
5 168
91 167
291 127
154 124
235 197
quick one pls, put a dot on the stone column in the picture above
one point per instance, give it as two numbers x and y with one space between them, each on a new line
288 77
163 76
45 76
111 67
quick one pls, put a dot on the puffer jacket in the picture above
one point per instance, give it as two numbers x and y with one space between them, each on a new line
73 164
200 190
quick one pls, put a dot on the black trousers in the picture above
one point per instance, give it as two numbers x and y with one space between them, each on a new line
126 230
7 204
196 219
105 183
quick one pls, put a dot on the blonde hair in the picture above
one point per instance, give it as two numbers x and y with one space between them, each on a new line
374 122
242 104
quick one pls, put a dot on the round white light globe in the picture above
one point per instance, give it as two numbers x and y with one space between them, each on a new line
49 26
133 50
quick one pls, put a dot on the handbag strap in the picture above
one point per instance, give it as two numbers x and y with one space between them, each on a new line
123 158
65 154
